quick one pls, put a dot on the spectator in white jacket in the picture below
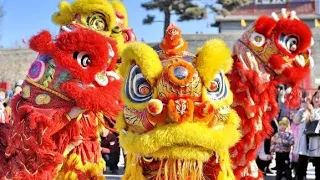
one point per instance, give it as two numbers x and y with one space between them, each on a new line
314 141
300 147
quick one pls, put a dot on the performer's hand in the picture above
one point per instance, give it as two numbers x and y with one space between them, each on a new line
77 143
105 150
75 112
269 157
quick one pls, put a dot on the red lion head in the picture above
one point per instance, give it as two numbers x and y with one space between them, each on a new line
277 48
78 65
282 44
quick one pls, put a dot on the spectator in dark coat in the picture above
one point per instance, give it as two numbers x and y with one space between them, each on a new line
110 150
264 156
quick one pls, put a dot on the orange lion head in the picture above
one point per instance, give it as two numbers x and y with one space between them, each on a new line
173 42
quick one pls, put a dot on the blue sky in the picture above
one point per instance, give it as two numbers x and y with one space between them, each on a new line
24 18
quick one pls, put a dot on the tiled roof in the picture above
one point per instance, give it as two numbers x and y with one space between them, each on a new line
305 7
254 17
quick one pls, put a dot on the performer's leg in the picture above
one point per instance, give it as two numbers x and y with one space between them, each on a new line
114 160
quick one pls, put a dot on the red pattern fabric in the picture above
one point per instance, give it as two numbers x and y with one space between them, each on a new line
245 150
257 70
32 147
30 152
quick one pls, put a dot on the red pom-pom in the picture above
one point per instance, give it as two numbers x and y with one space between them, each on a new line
41 42
293 98
276 62
264 25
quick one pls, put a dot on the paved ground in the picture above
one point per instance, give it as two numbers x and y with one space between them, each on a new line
310 175
310 172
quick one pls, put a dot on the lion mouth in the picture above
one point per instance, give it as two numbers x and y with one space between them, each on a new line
169 168
179 150
101 79
189 141
290 44
304 59
213 155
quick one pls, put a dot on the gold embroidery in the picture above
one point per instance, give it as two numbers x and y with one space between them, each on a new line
47 89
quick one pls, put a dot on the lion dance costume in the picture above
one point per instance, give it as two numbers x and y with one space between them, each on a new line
108 18
177 113
55 133
274 50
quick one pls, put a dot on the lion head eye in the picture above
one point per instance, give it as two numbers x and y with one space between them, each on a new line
289 42
137 88
257 39
218 88
82 58
214 86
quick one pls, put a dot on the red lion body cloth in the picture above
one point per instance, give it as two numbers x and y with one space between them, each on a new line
57 116
272 51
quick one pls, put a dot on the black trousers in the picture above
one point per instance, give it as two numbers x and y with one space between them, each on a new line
317 165
301 170
262 165
303 165
283 166
112 159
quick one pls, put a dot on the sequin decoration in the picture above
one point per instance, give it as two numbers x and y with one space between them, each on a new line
36 70
49 74
26 91
42 99
63 77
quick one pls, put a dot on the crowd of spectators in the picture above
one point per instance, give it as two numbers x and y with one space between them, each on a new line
295 141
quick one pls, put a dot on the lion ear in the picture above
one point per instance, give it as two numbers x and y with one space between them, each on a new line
211 58
65 14
265 25
41 42
120 8
140 68
145 58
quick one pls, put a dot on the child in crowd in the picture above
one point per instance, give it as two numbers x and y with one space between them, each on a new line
281 144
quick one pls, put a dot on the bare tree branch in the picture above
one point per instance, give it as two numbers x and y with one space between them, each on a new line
188 10
230 5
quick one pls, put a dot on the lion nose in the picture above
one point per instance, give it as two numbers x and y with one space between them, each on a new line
180 72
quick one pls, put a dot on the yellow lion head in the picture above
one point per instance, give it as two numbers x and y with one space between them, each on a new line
177 114
108 18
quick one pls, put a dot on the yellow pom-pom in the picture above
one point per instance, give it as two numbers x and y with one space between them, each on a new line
212 57
64 15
